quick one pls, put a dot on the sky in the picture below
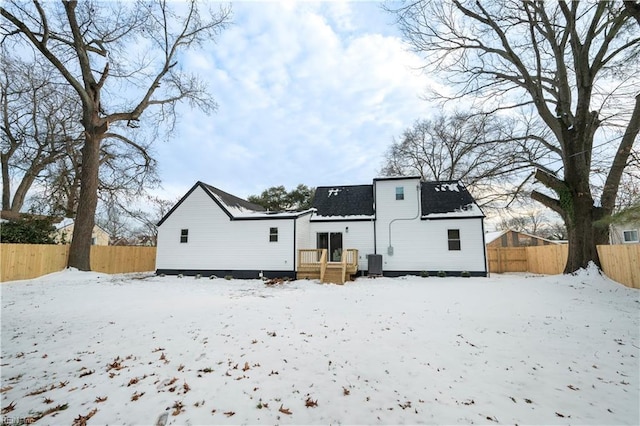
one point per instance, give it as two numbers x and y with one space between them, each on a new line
308 93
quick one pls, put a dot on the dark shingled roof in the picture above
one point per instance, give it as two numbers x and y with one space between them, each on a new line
444 197
352 200
233 201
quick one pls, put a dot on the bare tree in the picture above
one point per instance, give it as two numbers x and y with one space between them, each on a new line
41 142
532 222
574 64
39 125
155 209
469 147
121 60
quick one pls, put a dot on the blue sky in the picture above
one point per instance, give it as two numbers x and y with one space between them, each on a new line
308 93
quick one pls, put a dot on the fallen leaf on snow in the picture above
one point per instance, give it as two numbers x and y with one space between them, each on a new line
82 420
284 410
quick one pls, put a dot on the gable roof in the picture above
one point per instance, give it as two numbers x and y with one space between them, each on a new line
67 222
231 203
234 207
490 237
348 202
447 199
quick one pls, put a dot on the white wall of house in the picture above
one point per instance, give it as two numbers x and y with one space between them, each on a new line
302 234
418 244
628 233
424 246
358 236
217 243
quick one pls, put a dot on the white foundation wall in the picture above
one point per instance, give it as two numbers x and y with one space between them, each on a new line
217 243
358 236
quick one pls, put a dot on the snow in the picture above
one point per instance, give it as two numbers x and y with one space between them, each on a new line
317 217
490 237
507 349
469 210
448 187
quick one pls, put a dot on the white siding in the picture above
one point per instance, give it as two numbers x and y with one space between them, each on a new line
422 244
218 243
359 236
302 234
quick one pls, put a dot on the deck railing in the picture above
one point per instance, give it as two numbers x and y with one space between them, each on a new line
315 261
323 264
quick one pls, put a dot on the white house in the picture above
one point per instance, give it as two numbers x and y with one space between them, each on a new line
414 226
626 233
64 233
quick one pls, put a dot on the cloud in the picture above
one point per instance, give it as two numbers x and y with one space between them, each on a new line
308 93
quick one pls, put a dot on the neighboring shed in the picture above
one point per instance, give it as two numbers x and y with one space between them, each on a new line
511 238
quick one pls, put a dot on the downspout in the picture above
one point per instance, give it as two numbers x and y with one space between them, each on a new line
374 220
484 245
295 265
390 248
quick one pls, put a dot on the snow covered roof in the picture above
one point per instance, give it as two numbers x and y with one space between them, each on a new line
490 237
236 208
232 204
440 200
350 202
67 221
448 199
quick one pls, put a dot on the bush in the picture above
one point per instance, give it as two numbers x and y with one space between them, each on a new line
465 274
228 277
424 274
442 274
28 230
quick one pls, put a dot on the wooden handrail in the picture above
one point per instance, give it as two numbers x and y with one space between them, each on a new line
323 264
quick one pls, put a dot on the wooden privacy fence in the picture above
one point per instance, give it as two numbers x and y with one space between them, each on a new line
620 262
25 261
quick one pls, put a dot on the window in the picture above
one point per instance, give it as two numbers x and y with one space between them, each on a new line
332 241
93 241
399 192
454 239
273 235
184 235
630 236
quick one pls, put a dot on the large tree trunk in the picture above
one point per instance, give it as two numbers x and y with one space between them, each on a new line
583 236
79 252
6 188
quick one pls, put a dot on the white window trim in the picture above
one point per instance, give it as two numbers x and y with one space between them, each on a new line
625 241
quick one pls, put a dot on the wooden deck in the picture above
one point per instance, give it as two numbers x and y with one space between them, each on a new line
313 264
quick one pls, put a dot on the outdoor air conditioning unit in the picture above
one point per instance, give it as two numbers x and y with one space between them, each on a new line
375 265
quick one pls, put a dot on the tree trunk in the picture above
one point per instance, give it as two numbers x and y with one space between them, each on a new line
79 252
24 187
583 236
6 187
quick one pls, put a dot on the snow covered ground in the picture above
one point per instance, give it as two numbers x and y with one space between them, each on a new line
138 349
